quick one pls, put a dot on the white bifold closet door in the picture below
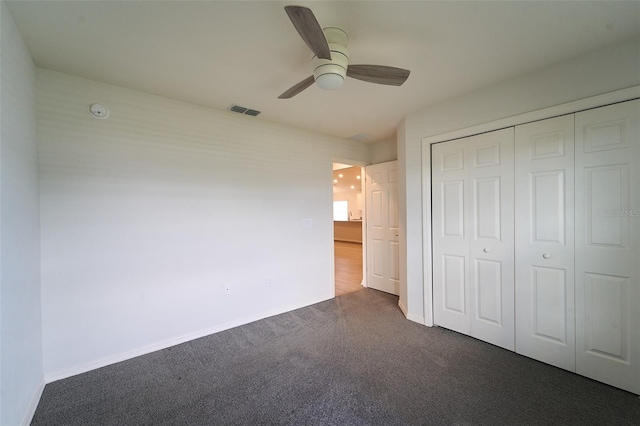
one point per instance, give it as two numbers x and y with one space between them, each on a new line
544 208
473 226
608 244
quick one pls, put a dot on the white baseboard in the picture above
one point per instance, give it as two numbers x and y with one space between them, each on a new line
123 356
415 318
402 308
33 403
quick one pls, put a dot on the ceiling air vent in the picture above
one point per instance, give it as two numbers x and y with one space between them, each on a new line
242 110
361 137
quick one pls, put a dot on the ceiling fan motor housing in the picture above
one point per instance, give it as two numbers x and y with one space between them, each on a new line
330 73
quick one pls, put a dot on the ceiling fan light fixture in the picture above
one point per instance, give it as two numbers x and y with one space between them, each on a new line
329 81
330 73
330 60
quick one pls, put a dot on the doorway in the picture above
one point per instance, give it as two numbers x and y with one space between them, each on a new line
348 232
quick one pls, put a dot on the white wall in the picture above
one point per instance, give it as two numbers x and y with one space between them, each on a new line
21 374
601 71
148 214
354 198
384 151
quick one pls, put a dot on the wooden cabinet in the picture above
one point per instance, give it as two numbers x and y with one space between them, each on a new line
349 231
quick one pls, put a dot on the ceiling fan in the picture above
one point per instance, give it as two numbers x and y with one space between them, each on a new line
331 58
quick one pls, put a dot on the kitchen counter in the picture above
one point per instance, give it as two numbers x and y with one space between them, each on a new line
350 231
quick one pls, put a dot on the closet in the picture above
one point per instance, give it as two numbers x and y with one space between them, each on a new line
473 250
536 240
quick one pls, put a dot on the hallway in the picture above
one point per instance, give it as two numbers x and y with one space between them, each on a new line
348 267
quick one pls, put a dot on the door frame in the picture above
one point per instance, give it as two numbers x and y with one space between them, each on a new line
542 114
362 165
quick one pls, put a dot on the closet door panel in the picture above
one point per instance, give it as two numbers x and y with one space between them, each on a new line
606 325
454 284
491 251
606 188
607 245
548 299
488 289
450 236
473 253
544 241
547 206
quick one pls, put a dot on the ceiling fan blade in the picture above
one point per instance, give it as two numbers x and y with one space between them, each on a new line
309 29
297 88
379 74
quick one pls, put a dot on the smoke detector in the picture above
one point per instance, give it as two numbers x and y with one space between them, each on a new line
99 111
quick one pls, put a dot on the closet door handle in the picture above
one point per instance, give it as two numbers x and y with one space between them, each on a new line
486 250
546 255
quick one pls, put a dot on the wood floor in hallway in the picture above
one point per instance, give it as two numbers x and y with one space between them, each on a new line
348 267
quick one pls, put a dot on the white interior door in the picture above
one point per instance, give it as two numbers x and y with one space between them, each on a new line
544 201
607 245
491 239
382 219
450 220
473 237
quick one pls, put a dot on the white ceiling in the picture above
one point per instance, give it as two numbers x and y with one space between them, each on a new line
218 53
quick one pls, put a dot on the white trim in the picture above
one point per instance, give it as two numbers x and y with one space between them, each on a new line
33 403
414 318
402 308
426 237
516 120
332 275
541 114
123 356
363 192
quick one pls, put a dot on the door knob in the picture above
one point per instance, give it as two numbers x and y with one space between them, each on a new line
546 256
486 250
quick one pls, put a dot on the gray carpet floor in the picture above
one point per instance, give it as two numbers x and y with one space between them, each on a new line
353 360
